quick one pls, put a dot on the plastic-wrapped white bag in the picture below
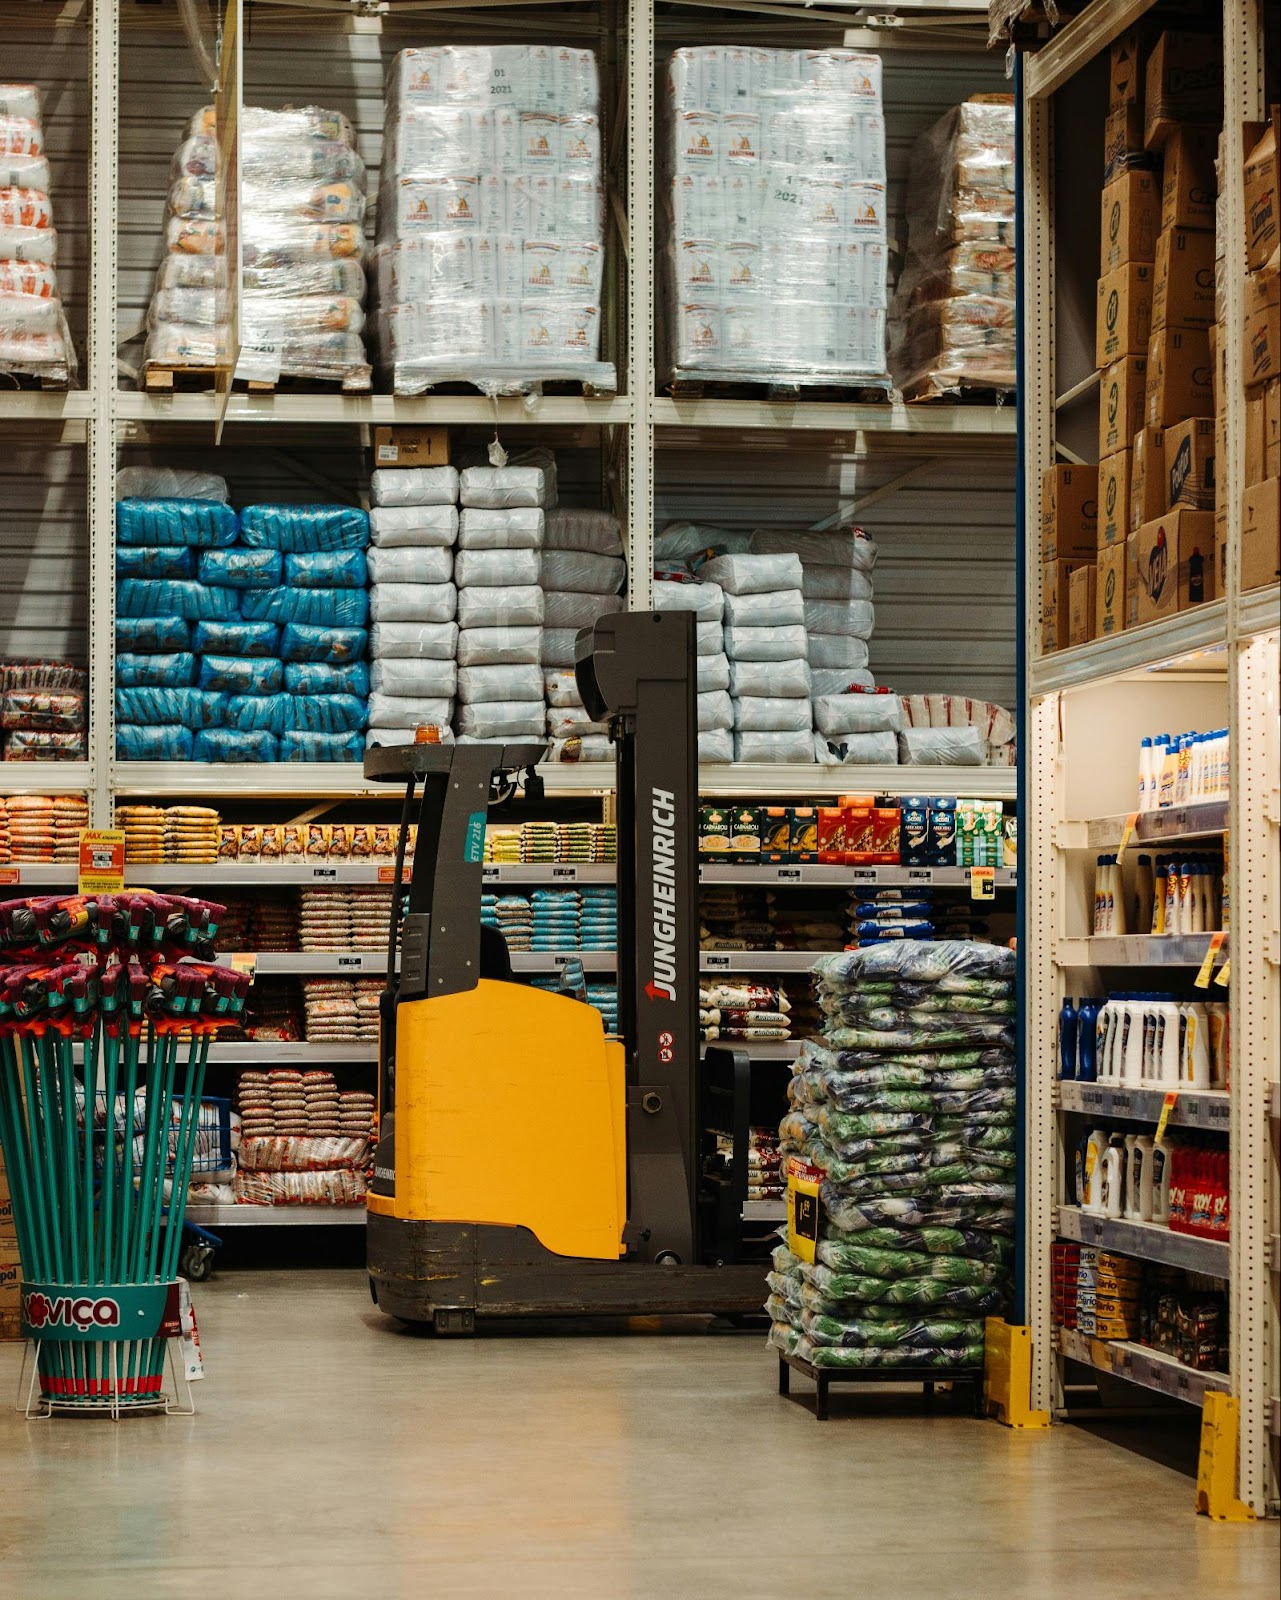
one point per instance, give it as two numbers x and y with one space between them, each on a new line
499 647
502 719
836 680
520 528
514 606
557 649
837 650
413 602
941 747
796 747
414 486
408 711
857 749
716 745
788 679
492 569
585 747
713 673
169 483
411 564
413 525
583 573
855 617
567 722
597 531
527 480
835 583
837 714
758 714
573 611
419 678
391 736
705 600
434 641
753 574
561 689
709 638
848 547
765 644
500 683
781 608
715 710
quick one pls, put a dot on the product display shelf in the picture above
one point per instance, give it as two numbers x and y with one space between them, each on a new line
231 876
765 1211
45 777
1204 627
288 1053
816 876
1136 950
760 961
1192 1108
373 963
373 410
1172 825
926 423
216 1217
1149 1241
1136 1363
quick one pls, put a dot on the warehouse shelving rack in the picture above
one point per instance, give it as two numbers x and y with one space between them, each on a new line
1085 709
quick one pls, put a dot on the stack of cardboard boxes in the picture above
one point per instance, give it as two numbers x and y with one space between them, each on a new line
10 1264
1261 354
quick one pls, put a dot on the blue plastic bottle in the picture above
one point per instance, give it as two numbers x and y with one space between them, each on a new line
1086 1025
1067 1039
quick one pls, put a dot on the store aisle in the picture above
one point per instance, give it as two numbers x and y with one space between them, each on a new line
334 1455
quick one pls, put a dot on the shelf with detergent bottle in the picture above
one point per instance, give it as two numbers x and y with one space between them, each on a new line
1149 1241
1145 1042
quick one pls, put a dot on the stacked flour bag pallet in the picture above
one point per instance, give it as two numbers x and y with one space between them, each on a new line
498 570
905 1107
853 720
413 640
954 730
302 210
768 657
491 249
35 341
239 638
952 322
675 589
774 202
583 572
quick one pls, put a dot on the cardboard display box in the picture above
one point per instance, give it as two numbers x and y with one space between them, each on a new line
1123 142
1055 598
1127 64
1183 280
1114 498
1179 376
1082 599
1188 183
1272 429
1124 321
1147 477
1263 322
1171 566
1183 82
1109 590
411 447
1255 438
1069 513
1122 399
1261 534
1131 220
1189 464
1262 230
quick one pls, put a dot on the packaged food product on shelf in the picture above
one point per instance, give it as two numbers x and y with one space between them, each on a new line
774 211
490 254
952 320
43 712
35 341
302 208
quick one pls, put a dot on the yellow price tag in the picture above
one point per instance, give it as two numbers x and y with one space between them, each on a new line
802 1208
1127 833
1167 1105
243 961
982 883
1224 973
1202 980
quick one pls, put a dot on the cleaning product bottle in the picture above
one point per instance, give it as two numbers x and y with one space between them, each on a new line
1172 897
1168 774
1116 897
1129 1196
1185 896
1165 1072
1196 1047
1141 899
1068 1031
1131 1053
1100 894
1112 1181
1095 1148
1217 1013
1086 1040
1158 896
1140 1185
1160 1185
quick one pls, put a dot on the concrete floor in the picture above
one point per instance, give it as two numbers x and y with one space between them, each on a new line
333 1454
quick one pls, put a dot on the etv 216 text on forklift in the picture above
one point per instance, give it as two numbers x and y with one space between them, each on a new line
527 1164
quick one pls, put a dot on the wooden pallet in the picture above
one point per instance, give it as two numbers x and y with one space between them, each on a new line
200 380
33 382
694 388
573 388
965 394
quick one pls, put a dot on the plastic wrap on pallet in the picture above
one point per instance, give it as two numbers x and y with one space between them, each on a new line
237 569
35 341
175 670
512 528
499 647
153 634
321 677
952 321
856 749
239 674
303 528
235 744
418 526
774 216
153 742
330 608
175 597
302 209
432 641
490 256
158 561
419 676
207 523
282 713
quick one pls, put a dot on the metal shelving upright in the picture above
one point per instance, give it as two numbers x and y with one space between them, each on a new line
1085 708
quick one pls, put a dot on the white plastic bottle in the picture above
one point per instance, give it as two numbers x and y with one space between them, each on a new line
1100 894
1129 1196
1195 1073
1192 904
1116 897
1139 1187
1217 1012
1113 1178
1171 924
1145 774
1141 899
1131 1051
1160 1181
1095 1149
1165 1066
1104 1025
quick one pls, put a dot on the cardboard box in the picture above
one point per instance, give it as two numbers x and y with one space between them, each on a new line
1171 566
1218 365
1179 376
1069 512
886 821
1122 397
1131 219
1261 534
411 447
1109 590
1123 142
745 833
1055 606
1114 498
1124 321
858 832
1183 282
803 823
1127 64
1189 464
713 833
1183 83
1082 600
1262 339
1262 230
1272 429
1188 183
831 835
1255 438
1147 478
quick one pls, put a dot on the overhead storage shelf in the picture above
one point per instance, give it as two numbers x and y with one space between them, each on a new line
1173 825
355 410
928 423
1149 1241
216 1217
1135 950
759 961
1131 650
1077 43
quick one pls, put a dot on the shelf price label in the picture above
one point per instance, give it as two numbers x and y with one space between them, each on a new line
714 962
1224 975
920 874
388 874
351 961
787 875
324 872
982 883
10 875
488 874
243 961
1202 980
1127 833
1167 1105
866 875
567 874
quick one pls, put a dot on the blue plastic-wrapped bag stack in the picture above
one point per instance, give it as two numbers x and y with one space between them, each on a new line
240 638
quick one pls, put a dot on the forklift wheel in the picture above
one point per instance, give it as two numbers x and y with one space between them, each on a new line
196 1263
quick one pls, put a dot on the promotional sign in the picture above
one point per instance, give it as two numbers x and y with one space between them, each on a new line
102 860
